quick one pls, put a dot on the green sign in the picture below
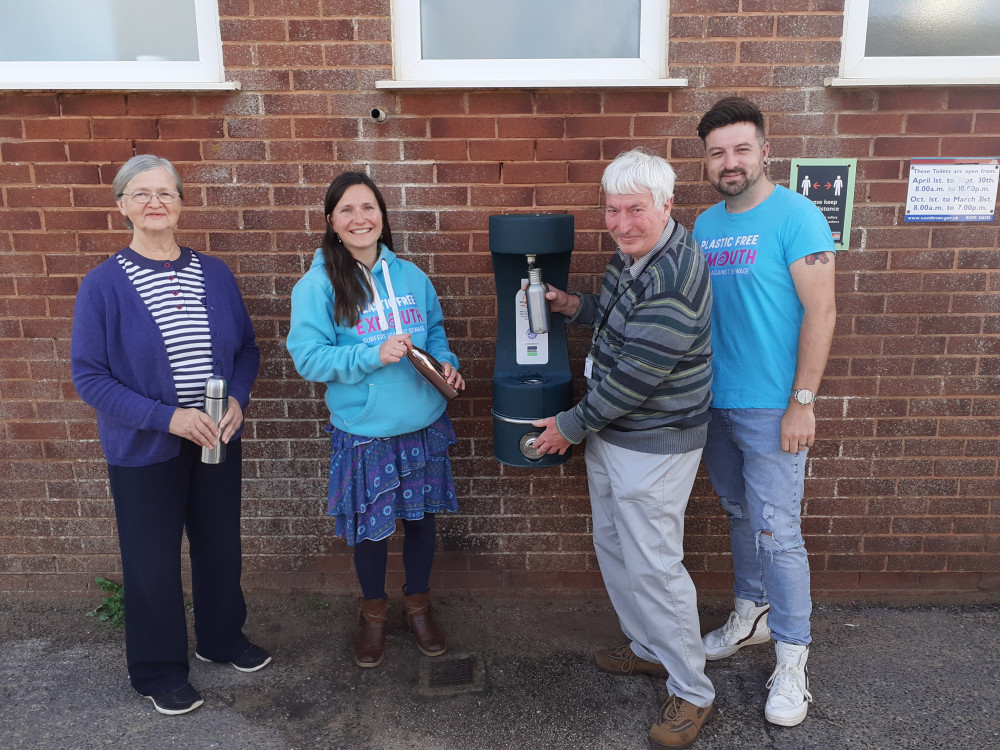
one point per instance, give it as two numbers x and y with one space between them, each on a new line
829 183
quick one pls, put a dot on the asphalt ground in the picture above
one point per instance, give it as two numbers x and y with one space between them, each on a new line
882 677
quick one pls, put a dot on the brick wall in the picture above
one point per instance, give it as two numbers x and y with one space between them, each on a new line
902 490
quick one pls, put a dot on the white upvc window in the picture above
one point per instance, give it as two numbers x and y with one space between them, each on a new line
920 42
529 43
64 45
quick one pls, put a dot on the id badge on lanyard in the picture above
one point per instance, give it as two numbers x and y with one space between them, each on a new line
588 364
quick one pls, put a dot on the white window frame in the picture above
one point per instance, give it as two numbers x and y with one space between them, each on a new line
207 73
647 70
858 70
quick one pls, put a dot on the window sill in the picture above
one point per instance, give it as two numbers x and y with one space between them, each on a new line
646 83
116 86
873 82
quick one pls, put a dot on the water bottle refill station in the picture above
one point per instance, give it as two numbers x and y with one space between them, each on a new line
531 375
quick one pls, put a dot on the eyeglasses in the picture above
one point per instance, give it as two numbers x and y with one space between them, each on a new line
164 196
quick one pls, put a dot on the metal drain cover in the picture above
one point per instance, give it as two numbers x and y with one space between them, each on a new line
451 674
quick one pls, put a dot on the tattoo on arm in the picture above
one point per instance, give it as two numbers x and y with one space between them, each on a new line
813 258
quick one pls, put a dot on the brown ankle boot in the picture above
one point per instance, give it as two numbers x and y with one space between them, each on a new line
430 639
369 645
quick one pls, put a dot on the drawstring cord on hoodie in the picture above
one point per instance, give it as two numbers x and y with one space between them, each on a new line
383 324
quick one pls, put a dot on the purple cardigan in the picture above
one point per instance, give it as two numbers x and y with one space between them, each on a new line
120 365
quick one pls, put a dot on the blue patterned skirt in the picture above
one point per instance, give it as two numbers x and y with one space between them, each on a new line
374 481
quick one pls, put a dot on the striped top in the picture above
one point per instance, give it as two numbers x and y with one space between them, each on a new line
650 387
174 293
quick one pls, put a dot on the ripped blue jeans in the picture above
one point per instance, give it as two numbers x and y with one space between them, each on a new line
760 487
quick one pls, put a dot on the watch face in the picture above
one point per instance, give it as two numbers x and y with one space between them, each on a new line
804 396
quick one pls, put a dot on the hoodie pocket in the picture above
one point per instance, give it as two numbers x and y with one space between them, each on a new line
367 409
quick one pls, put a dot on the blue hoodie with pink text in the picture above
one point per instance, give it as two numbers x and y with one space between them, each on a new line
364 396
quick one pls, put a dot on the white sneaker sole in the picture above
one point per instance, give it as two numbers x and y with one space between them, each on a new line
175 711
788 720
722 653
238 669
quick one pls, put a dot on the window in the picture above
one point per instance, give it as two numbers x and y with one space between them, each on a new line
904 42
110 44
516 43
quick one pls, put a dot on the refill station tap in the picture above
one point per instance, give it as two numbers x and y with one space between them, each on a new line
531 375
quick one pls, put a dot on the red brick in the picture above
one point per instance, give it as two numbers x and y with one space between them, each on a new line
171 128
534 173
63 128
34 151
450 150
131 127
600 127
160 104
252 30
284 8
92 104
462 127
564 150
499 150
20 220
530 127
28 105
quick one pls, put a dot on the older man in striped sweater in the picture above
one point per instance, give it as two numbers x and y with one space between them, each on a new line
645 417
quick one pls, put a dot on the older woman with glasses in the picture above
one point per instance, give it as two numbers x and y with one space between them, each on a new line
151 325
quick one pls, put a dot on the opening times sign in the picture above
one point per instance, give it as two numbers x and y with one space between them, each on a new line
952 189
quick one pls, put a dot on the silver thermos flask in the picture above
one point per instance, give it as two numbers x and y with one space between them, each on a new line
538 306
216 399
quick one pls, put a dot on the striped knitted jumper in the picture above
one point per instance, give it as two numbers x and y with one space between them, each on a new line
650 388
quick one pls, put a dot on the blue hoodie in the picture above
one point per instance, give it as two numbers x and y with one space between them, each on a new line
364 396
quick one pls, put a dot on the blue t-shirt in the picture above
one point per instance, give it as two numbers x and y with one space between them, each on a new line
756 313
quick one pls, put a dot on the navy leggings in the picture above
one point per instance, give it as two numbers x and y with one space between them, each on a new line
418 556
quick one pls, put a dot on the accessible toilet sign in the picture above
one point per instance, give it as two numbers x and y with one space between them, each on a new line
952 189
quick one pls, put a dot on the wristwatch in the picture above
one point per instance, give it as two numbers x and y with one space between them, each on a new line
804 396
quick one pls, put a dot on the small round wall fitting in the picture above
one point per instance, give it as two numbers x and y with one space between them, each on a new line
378 115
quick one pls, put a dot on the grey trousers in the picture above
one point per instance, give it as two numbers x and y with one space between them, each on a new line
638 502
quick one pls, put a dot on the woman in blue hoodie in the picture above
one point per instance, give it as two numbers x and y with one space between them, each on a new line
355 314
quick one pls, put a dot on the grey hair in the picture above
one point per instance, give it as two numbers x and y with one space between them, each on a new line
136 166
633 171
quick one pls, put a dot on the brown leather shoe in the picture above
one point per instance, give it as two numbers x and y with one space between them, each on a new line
678 724
430 639
622 660
369 645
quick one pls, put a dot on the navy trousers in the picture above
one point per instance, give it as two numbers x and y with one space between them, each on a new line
154 506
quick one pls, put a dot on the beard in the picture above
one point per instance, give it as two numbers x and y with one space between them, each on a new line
739 187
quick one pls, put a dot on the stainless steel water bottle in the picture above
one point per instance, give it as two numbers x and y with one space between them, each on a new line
538 306
216 399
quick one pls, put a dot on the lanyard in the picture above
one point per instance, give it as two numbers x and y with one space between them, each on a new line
609 308
383 324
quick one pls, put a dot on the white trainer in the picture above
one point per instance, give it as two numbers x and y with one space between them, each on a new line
746 626
789 699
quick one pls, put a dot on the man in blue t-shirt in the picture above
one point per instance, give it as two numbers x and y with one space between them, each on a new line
771 256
